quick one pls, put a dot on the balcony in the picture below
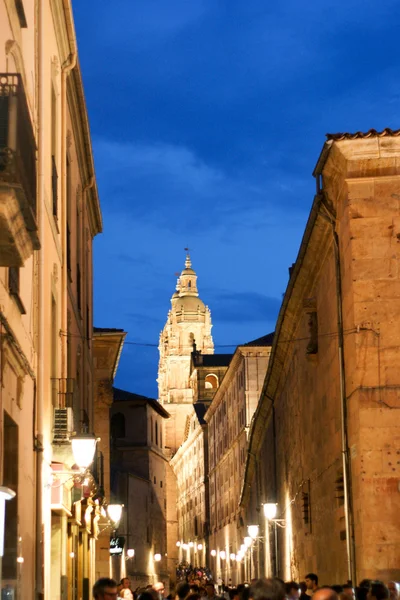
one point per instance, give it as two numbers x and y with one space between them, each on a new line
18 223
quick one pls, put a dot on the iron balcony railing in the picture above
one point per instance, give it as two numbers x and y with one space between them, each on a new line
18 147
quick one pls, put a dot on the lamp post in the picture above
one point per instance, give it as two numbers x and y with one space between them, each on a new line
270 512
114 512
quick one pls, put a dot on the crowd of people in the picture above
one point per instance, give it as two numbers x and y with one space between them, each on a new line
196 584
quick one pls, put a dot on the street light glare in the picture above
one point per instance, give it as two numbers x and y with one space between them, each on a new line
253 531
270 510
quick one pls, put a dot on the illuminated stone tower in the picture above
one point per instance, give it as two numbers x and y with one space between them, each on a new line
188 322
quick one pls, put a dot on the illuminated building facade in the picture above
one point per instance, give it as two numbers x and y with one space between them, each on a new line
228 419
188 323
49 215
190 462
138 480
326 432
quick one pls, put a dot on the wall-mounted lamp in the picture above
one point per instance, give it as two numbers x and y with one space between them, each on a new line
222 555
114 512
213 553
270 511
83 449
157 557
253 530
5 494
199 546
248 541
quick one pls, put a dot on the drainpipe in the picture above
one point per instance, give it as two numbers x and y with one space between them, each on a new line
348 505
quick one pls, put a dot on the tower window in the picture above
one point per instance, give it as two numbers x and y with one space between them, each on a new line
189 284
211 382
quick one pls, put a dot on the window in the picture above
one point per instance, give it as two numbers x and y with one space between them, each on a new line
154 479
160 484
211 382
156 433
54 174
13 287
151 429
117 426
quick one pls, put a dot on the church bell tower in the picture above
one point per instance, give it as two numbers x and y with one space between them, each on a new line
188 322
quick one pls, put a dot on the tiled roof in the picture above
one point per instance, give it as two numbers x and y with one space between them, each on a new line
265 340
124 396
106 330
213 360
362 135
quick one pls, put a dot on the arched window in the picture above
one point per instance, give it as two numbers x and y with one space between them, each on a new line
189 284
156 433
117 426
211 382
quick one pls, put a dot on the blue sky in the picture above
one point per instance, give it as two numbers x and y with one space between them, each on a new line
207 118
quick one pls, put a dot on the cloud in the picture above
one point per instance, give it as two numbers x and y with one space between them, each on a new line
171 186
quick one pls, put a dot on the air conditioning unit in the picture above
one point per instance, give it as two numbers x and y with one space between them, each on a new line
63 424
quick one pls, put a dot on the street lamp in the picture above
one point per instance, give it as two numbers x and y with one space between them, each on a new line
248 541
114 512
199 546
83 449
178 544
222 555
157 557
270 510
130 553
253 530
213 553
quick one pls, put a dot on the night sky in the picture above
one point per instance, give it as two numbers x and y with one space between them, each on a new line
207 119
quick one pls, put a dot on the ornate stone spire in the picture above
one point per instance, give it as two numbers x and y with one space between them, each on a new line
188 279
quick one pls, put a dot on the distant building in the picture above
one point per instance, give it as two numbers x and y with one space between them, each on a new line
190 462
324 444
138 480
107 348
188 323
228 418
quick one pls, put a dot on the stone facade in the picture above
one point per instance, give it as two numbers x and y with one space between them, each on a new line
188 326
138 472
325 440
107 348
228 419
49 215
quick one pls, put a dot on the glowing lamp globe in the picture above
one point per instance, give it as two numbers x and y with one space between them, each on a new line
252 531
270 510
199 546
222 555
213 553
248 541
157 557
83 449
130 553
114 512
